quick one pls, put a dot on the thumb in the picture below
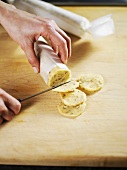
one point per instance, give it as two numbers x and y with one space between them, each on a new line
31 56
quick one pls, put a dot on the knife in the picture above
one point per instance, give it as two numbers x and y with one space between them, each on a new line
34 95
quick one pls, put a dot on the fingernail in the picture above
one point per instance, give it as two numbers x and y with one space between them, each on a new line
35 70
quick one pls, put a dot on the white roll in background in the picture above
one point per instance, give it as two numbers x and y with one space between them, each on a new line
67 20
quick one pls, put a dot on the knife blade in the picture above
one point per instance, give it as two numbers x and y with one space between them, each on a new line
44 91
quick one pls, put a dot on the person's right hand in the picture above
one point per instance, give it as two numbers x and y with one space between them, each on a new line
9 106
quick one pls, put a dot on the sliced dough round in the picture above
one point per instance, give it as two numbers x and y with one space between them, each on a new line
71 111
73 98
58 76
90 83
68 87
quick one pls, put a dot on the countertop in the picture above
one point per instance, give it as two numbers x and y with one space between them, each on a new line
39 135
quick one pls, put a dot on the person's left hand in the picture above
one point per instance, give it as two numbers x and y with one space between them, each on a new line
25 29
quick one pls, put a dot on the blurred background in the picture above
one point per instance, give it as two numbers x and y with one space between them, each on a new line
86 2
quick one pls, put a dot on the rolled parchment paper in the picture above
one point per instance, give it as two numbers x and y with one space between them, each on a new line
68 21
52 70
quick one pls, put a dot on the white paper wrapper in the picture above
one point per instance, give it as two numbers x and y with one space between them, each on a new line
48 59
68 21
102 27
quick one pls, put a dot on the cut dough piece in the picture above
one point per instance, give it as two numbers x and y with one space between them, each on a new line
90 83
58 76
73 98
68 87
71 111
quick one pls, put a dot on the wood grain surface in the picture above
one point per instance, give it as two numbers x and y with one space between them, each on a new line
39 135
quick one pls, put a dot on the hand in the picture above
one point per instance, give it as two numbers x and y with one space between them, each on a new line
26 28
9 106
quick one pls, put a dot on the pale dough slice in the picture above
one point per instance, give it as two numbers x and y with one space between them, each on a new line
73 84
58 76
71 111
90 83
73 98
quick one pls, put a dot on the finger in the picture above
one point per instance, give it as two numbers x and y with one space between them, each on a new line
13 104
5 112
64 35
31 56
63 53
57 40
8 115
55 48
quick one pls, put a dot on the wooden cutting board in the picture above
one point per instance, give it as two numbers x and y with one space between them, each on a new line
39 135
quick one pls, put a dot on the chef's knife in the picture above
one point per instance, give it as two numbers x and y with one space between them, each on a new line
34 95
